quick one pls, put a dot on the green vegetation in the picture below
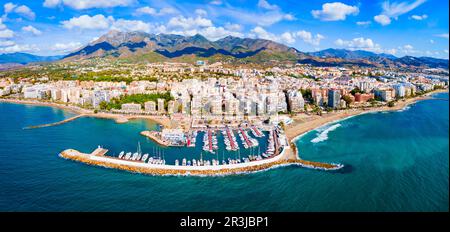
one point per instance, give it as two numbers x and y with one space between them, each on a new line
347 100
302 76
307 94
356 90
116 103
391 103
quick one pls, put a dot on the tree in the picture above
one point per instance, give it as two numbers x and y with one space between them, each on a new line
391 104
103 105
348 100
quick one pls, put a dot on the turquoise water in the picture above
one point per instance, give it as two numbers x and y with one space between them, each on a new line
396 161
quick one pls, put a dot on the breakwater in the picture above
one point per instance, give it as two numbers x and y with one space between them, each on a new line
55 123
157 169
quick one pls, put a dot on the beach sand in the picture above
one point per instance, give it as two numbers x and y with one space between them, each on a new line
305 124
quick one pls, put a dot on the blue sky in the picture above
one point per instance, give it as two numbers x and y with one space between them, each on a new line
398 27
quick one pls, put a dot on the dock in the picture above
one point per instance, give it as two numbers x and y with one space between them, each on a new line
56 123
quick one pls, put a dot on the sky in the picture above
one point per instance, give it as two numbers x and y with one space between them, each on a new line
398 27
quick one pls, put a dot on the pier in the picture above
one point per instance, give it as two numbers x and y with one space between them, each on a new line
56 123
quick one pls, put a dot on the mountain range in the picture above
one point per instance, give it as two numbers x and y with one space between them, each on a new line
140 46
25 58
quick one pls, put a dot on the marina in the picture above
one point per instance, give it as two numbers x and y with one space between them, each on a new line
277 153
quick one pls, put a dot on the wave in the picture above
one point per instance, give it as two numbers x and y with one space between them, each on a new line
324 134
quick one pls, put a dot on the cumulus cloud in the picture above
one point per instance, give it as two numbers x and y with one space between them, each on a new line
382 19
7 43
9 7
32 30
87 22
307 37
6 33
334 11
132 25
189 22
153 12
19 48
395 9
22 10
266 5
189 26
66 47
360 43
88 4
287 37
419 17
261 33
233 26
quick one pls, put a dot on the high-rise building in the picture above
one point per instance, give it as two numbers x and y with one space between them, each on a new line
161 108
334 97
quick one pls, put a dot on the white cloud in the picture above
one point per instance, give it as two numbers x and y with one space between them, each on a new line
407 49
360 43
22 10
153 12
131 25
216 2
201 12
266 5
334 11
307 37
215 33
20 48
363 23
25 11
395 9
288 38
7 43
32 30
443 35
66 47
51 3
189 23
145 10
419 17
382 19
6 33
87 22
261 33
233 26
88 4
189 26
9 7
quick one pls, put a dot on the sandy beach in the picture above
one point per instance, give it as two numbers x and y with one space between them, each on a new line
306 124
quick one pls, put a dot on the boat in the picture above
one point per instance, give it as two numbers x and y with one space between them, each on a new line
121 154
144 158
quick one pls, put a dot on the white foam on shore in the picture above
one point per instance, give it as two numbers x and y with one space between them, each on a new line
324 134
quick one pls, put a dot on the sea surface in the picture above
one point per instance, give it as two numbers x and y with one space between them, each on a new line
395 161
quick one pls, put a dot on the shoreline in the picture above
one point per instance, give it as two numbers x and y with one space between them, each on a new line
118 118
295 132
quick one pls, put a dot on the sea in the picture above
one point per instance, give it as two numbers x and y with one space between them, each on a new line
394 162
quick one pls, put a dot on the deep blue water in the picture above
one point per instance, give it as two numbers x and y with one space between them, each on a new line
396 161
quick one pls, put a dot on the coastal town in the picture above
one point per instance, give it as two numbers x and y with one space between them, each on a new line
196 103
